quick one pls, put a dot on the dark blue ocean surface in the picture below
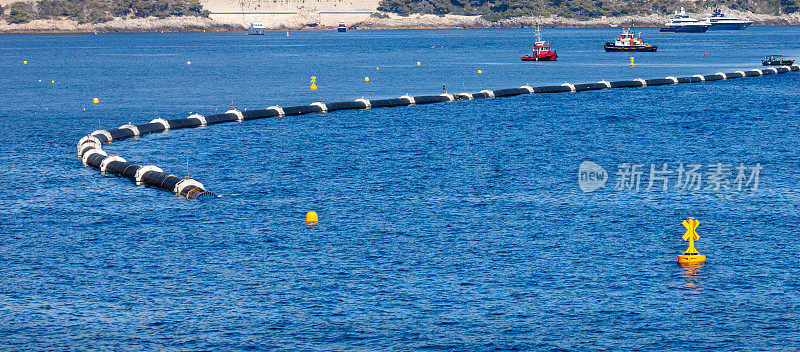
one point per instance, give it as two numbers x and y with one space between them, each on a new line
447 227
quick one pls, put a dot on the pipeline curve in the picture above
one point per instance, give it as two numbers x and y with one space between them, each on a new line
90 147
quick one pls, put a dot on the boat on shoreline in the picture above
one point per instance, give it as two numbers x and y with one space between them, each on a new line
629 41
256 28
682 23
342 27
721 21
542 51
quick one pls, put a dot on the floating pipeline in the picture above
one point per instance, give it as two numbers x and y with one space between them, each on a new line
92 154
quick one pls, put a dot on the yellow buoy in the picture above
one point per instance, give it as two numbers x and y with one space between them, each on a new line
691 256
96 101
377 68
632 64
311 217
313 86
287 33
366 79
479 71
53 81
25 62
188 62
419 63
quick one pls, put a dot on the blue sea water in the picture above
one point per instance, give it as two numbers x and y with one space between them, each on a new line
447 227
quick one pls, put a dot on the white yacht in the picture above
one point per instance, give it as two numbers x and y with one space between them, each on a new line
720 21
685 24
256 28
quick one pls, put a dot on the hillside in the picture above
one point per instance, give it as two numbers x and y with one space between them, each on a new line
493 10
98 11
187 15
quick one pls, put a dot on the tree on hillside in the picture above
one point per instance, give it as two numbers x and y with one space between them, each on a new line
19 13
789 6
18 16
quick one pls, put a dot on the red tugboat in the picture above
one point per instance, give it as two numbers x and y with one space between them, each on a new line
628 41
541 50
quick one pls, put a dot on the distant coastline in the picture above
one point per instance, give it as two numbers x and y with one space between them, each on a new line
385 21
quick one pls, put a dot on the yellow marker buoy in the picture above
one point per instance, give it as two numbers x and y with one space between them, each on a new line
96 101
419 63
188 62
53 81
287 33
691 256
632 64
311 217
377 68
25 62
366 79
40 81
479 71
313 86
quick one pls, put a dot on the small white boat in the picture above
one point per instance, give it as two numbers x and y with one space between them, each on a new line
342 27
256 28
721 21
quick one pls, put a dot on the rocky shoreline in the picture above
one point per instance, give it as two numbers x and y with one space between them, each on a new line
392 21
132 25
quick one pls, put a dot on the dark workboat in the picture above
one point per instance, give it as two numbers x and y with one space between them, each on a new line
776 60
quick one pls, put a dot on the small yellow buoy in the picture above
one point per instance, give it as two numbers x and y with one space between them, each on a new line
691 256
313 86
419 63
287 33
479 71
40 81
96 101
377 68
311 217
632 64
95 33
25 62
366 79
52 81
188 62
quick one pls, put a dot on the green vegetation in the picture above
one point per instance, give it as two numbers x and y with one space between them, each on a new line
97 11
494 10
